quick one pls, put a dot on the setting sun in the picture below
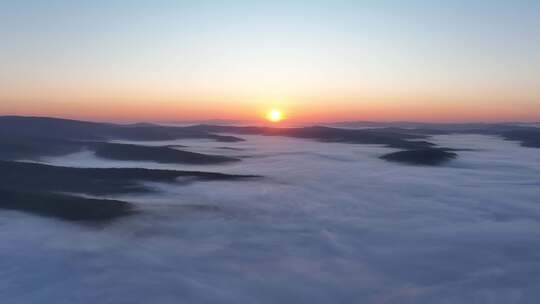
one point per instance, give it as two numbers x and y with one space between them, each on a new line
274 115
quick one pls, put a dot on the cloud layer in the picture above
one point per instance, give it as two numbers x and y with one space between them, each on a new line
329 223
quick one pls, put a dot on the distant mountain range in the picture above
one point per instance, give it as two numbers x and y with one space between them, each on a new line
430 125
45 190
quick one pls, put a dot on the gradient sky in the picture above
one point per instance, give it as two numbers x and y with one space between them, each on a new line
317 60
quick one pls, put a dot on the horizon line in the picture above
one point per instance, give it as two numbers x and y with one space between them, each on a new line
261 121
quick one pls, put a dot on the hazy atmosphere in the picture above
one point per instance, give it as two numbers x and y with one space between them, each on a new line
260 152
317 60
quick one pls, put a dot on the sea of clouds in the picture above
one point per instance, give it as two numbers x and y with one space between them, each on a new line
327 223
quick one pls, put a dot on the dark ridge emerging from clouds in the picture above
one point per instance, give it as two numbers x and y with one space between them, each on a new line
529 137
417 150
81 130
33 137
16 146
326 134
526 133
429 157
63 206
35 188
157 154
39 177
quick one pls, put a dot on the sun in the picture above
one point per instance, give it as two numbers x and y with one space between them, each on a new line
274 115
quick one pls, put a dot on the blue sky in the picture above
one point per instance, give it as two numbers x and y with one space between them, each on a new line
251 54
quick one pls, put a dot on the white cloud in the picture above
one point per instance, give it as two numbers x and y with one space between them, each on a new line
329 223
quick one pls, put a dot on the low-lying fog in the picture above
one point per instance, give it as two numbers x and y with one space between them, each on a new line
328 223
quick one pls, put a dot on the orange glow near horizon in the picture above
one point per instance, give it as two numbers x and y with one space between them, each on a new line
298 111
123 106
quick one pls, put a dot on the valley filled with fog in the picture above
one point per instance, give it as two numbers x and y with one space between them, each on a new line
324 223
